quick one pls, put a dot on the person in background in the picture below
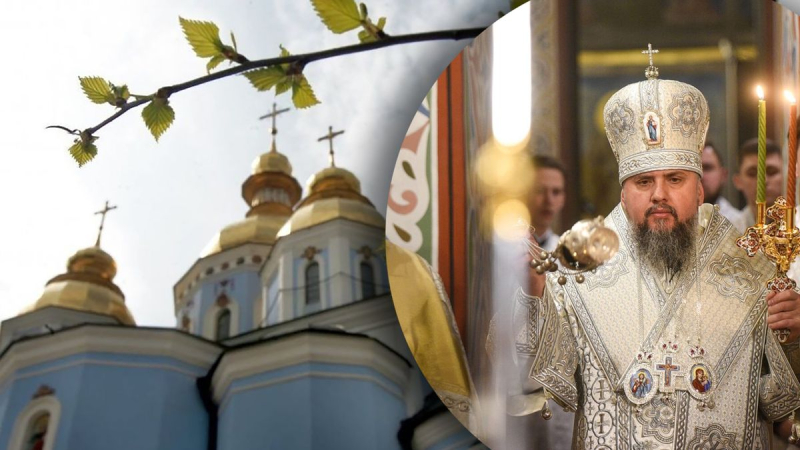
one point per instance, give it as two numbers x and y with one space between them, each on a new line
746 179
545 203
546 199
715 175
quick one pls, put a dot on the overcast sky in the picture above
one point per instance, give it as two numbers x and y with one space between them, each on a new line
174 195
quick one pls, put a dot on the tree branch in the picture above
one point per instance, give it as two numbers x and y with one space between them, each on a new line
302 60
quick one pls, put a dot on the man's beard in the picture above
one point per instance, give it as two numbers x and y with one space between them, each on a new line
666 250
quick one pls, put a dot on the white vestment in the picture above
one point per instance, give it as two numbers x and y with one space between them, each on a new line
584 342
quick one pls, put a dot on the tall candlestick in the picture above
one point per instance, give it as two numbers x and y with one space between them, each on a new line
762 147
792 172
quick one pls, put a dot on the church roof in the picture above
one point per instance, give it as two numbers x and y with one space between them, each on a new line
87 285
259 229
333 193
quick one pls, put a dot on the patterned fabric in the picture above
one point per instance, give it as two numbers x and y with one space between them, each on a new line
595 328
656 125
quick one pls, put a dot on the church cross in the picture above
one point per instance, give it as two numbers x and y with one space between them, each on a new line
272 115
668 368
329 137
103 211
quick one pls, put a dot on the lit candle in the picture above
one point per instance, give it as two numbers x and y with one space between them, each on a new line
790 186
762 147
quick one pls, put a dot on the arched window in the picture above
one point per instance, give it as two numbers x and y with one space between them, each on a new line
224 324
367 281
35 435
312 284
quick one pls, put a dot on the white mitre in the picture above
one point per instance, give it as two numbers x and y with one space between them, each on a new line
656 125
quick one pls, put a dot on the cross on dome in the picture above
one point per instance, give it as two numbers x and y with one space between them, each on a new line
272 115
103 212
329 137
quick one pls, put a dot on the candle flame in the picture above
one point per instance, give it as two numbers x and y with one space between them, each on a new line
760 92
789 97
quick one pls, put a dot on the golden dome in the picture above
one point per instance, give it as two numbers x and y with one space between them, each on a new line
333 177
87 286
272 161
256 229
326 209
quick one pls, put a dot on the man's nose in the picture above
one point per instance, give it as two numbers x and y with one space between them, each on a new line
659 192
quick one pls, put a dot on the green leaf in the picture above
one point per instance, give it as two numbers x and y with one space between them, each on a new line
302 94
121 94
265 79
214 62
283 86
381 23
203 37
364 37
158 116
338 15
83 152
363 9
97 89
233 39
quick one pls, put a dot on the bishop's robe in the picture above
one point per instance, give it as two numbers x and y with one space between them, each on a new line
584 342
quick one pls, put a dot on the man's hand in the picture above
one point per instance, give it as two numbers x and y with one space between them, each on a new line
784 312
536 285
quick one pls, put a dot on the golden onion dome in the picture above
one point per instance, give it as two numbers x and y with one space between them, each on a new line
272 161
334 193
256 229
326 209
333 177
87 286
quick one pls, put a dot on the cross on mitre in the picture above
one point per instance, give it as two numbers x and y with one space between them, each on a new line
103 212
652 71
329 137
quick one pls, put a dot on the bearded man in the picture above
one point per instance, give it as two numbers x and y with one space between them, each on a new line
677 294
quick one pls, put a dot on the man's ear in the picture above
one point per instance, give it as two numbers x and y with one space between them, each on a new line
622 198
700 192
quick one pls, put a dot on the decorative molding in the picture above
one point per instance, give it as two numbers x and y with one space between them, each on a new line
306 347
392 390
44 390
310 252
107 339
359 317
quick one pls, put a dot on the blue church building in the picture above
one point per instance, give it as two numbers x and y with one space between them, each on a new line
285 338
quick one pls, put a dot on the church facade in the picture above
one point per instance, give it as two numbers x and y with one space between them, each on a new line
285 338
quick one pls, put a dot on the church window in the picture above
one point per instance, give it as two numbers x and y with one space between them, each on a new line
367 281
256 259
34 437
240 261
209 271
224 324
312 284
225 266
